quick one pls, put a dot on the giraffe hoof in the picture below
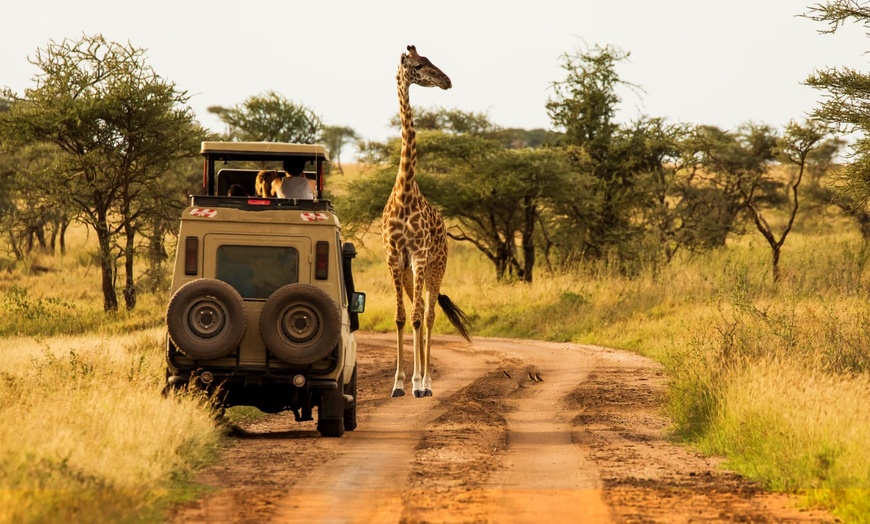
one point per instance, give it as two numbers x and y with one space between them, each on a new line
419 394
427 393
398 393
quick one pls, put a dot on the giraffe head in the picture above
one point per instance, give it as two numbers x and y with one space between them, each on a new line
416 69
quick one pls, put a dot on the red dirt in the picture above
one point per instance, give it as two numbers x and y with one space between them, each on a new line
518 431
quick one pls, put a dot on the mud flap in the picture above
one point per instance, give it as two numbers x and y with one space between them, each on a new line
330 414
332 405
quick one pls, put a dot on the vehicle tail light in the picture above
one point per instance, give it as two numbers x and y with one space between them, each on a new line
321 260
191 255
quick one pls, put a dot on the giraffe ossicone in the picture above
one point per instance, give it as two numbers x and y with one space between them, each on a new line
415 238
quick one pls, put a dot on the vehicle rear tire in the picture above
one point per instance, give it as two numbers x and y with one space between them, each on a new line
331 427
300 324
206 319
350 411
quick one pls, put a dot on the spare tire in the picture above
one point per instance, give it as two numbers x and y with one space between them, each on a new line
206 319
300 324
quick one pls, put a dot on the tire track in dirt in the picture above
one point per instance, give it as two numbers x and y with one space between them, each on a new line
503 449
367 481
544 475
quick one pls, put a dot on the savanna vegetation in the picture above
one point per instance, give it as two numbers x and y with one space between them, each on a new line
737 258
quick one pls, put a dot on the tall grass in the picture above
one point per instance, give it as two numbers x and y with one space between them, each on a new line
85 432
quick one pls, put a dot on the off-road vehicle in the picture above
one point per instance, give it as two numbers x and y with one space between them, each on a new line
263 306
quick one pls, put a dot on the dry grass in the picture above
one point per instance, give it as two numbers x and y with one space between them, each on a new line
85 434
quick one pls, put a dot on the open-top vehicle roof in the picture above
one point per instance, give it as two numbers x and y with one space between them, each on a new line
237 163
249 150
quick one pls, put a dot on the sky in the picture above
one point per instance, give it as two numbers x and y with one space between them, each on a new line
710 62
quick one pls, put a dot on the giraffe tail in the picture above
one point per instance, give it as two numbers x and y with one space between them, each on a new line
456 316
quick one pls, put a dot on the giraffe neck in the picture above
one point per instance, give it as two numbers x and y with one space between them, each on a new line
408 163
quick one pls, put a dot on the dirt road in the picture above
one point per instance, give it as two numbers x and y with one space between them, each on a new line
517 431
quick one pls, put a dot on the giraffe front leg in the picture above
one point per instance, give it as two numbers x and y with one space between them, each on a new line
399 382
427 375
419 346
419 367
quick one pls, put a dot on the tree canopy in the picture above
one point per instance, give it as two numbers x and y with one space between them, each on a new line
846 97
117 128
270 117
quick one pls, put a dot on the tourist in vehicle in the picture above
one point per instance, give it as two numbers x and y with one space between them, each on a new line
237 190
295 185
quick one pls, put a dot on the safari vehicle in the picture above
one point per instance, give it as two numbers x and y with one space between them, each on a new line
263 307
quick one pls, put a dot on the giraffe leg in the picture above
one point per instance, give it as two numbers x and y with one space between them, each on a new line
432 289
399 383
419 343
419 363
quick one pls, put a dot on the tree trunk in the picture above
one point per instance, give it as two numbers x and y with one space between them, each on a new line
502 261
64 225
39 231
104 238
16 248
863 219
129 254
529 240
52 242
776 251
157 254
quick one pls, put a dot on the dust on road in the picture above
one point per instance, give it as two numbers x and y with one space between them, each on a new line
517 431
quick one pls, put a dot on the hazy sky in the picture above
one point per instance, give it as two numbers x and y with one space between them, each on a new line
698 61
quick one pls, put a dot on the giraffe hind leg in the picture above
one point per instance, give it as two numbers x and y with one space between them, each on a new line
432 299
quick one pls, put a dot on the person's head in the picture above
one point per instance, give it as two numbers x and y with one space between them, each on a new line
237 190
294 166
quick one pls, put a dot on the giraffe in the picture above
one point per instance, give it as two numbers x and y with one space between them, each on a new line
415 238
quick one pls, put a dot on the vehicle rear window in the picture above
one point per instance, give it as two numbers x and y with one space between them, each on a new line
257 271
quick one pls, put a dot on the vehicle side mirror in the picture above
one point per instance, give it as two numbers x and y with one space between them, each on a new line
357 302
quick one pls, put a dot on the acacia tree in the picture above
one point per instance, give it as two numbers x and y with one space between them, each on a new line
610 159
270 117
496 199
793 148
846 98
720 165
34 210
336 137
454 121
116 126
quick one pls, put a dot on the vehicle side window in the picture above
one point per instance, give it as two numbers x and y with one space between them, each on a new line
257 271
